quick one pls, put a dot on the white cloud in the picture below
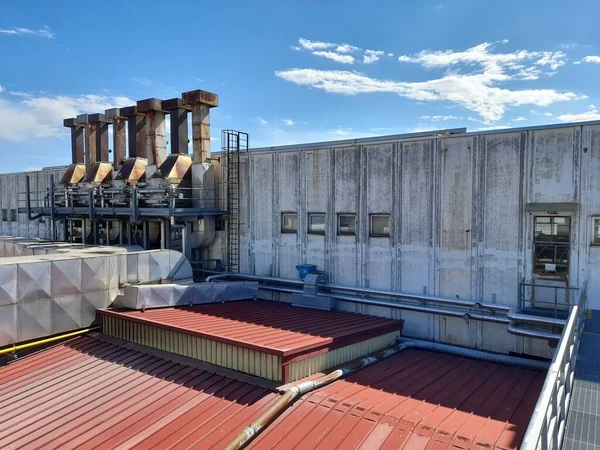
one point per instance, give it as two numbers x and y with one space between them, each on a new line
438 118
372 56
390 54
38 117
591 114
476 92
346 48
344 59
549 114
493 127
33 169
589 59
45 31
315 45
519 119
341 131
1 88
262 121
289 122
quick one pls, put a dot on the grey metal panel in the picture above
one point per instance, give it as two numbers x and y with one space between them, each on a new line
66 313
8 324
34 319
66 277
33 281
8 285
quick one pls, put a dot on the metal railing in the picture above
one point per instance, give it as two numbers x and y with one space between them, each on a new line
548 421
528 298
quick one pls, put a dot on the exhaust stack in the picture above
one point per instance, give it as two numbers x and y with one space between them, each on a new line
200 102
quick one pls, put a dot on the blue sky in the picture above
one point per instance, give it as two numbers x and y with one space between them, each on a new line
296 71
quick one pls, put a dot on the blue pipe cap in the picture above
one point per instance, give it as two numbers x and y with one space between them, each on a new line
305 269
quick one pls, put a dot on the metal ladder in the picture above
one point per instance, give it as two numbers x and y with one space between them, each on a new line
232 143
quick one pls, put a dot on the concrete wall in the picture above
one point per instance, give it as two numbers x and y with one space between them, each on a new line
460 224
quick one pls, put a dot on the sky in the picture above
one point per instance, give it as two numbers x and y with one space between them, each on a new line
296 71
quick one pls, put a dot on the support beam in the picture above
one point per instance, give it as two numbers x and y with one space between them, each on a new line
77 144
136 131
200 102
156 136
179 124
90 139
100 123
119 135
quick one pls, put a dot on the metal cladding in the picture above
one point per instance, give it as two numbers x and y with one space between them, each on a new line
90 138
99 172
201 102
48 294
270 340
119 136
176 168
136 131
73 175
133 170
77 144
100 123
93 392
156 133
179 124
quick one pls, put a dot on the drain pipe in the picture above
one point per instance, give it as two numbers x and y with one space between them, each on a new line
252 430
16 348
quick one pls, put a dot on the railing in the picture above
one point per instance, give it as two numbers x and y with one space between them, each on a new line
547 425
528 299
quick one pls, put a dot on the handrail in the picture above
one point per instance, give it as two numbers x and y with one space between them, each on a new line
547 425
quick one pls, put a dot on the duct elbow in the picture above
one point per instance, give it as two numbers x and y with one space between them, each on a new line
204 232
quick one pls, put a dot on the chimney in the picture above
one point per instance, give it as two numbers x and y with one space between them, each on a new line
100 124
118 122
77 146
90 139
156 136
201 102
136 131
179 124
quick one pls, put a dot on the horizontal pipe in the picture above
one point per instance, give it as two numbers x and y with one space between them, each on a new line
516 330
538 320
16 348
256 278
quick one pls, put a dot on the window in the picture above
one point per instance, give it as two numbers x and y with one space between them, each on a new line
289 223
316 223
347 224
596 231
380 225
13 215
551 245
5 215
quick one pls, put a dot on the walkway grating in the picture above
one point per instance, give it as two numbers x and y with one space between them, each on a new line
583 422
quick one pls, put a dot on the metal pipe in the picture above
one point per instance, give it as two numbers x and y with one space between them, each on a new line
539 320
16 348
252 430
52 208
476 354
28 200
513 328
256 278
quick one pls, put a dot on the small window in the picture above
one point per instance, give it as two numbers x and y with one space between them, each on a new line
289 223
380 225
5 215
347 224
316 223
596 231
13 215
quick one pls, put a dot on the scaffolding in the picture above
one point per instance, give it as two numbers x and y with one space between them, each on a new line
232 143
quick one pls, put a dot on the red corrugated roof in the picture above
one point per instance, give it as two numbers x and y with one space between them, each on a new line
262 325
414 400
91 393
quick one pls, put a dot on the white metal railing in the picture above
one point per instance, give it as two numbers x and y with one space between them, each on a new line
547 425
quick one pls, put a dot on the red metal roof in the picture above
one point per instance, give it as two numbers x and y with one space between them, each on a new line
266 326
415 400
90 393
94 394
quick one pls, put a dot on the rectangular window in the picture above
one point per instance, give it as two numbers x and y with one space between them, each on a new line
551 242
13 215
596 231
380 225
289 223
5 215
316 223
347 224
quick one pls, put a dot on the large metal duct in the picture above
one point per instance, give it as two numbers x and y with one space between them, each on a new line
119 136
200 102
156 132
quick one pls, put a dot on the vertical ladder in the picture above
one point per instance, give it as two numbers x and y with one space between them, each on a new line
232 143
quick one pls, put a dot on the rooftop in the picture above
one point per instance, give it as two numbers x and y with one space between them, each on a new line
104 393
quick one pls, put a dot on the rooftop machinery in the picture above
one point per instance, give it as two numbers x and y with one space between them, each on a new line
148 198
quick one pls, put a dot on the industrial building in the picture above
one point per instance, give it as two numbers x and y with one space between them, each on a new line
421 290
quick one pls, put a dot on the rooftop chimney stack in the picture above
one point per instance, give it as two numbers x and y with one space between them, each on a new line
100 125
119 135
156 135
200 102
179 125
136 131
90 139
77 145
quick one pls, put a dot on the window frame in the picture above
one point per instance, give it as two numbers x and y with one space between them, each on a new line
315 214
380 235
4 215
596 235
14 215
339 228
283 229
